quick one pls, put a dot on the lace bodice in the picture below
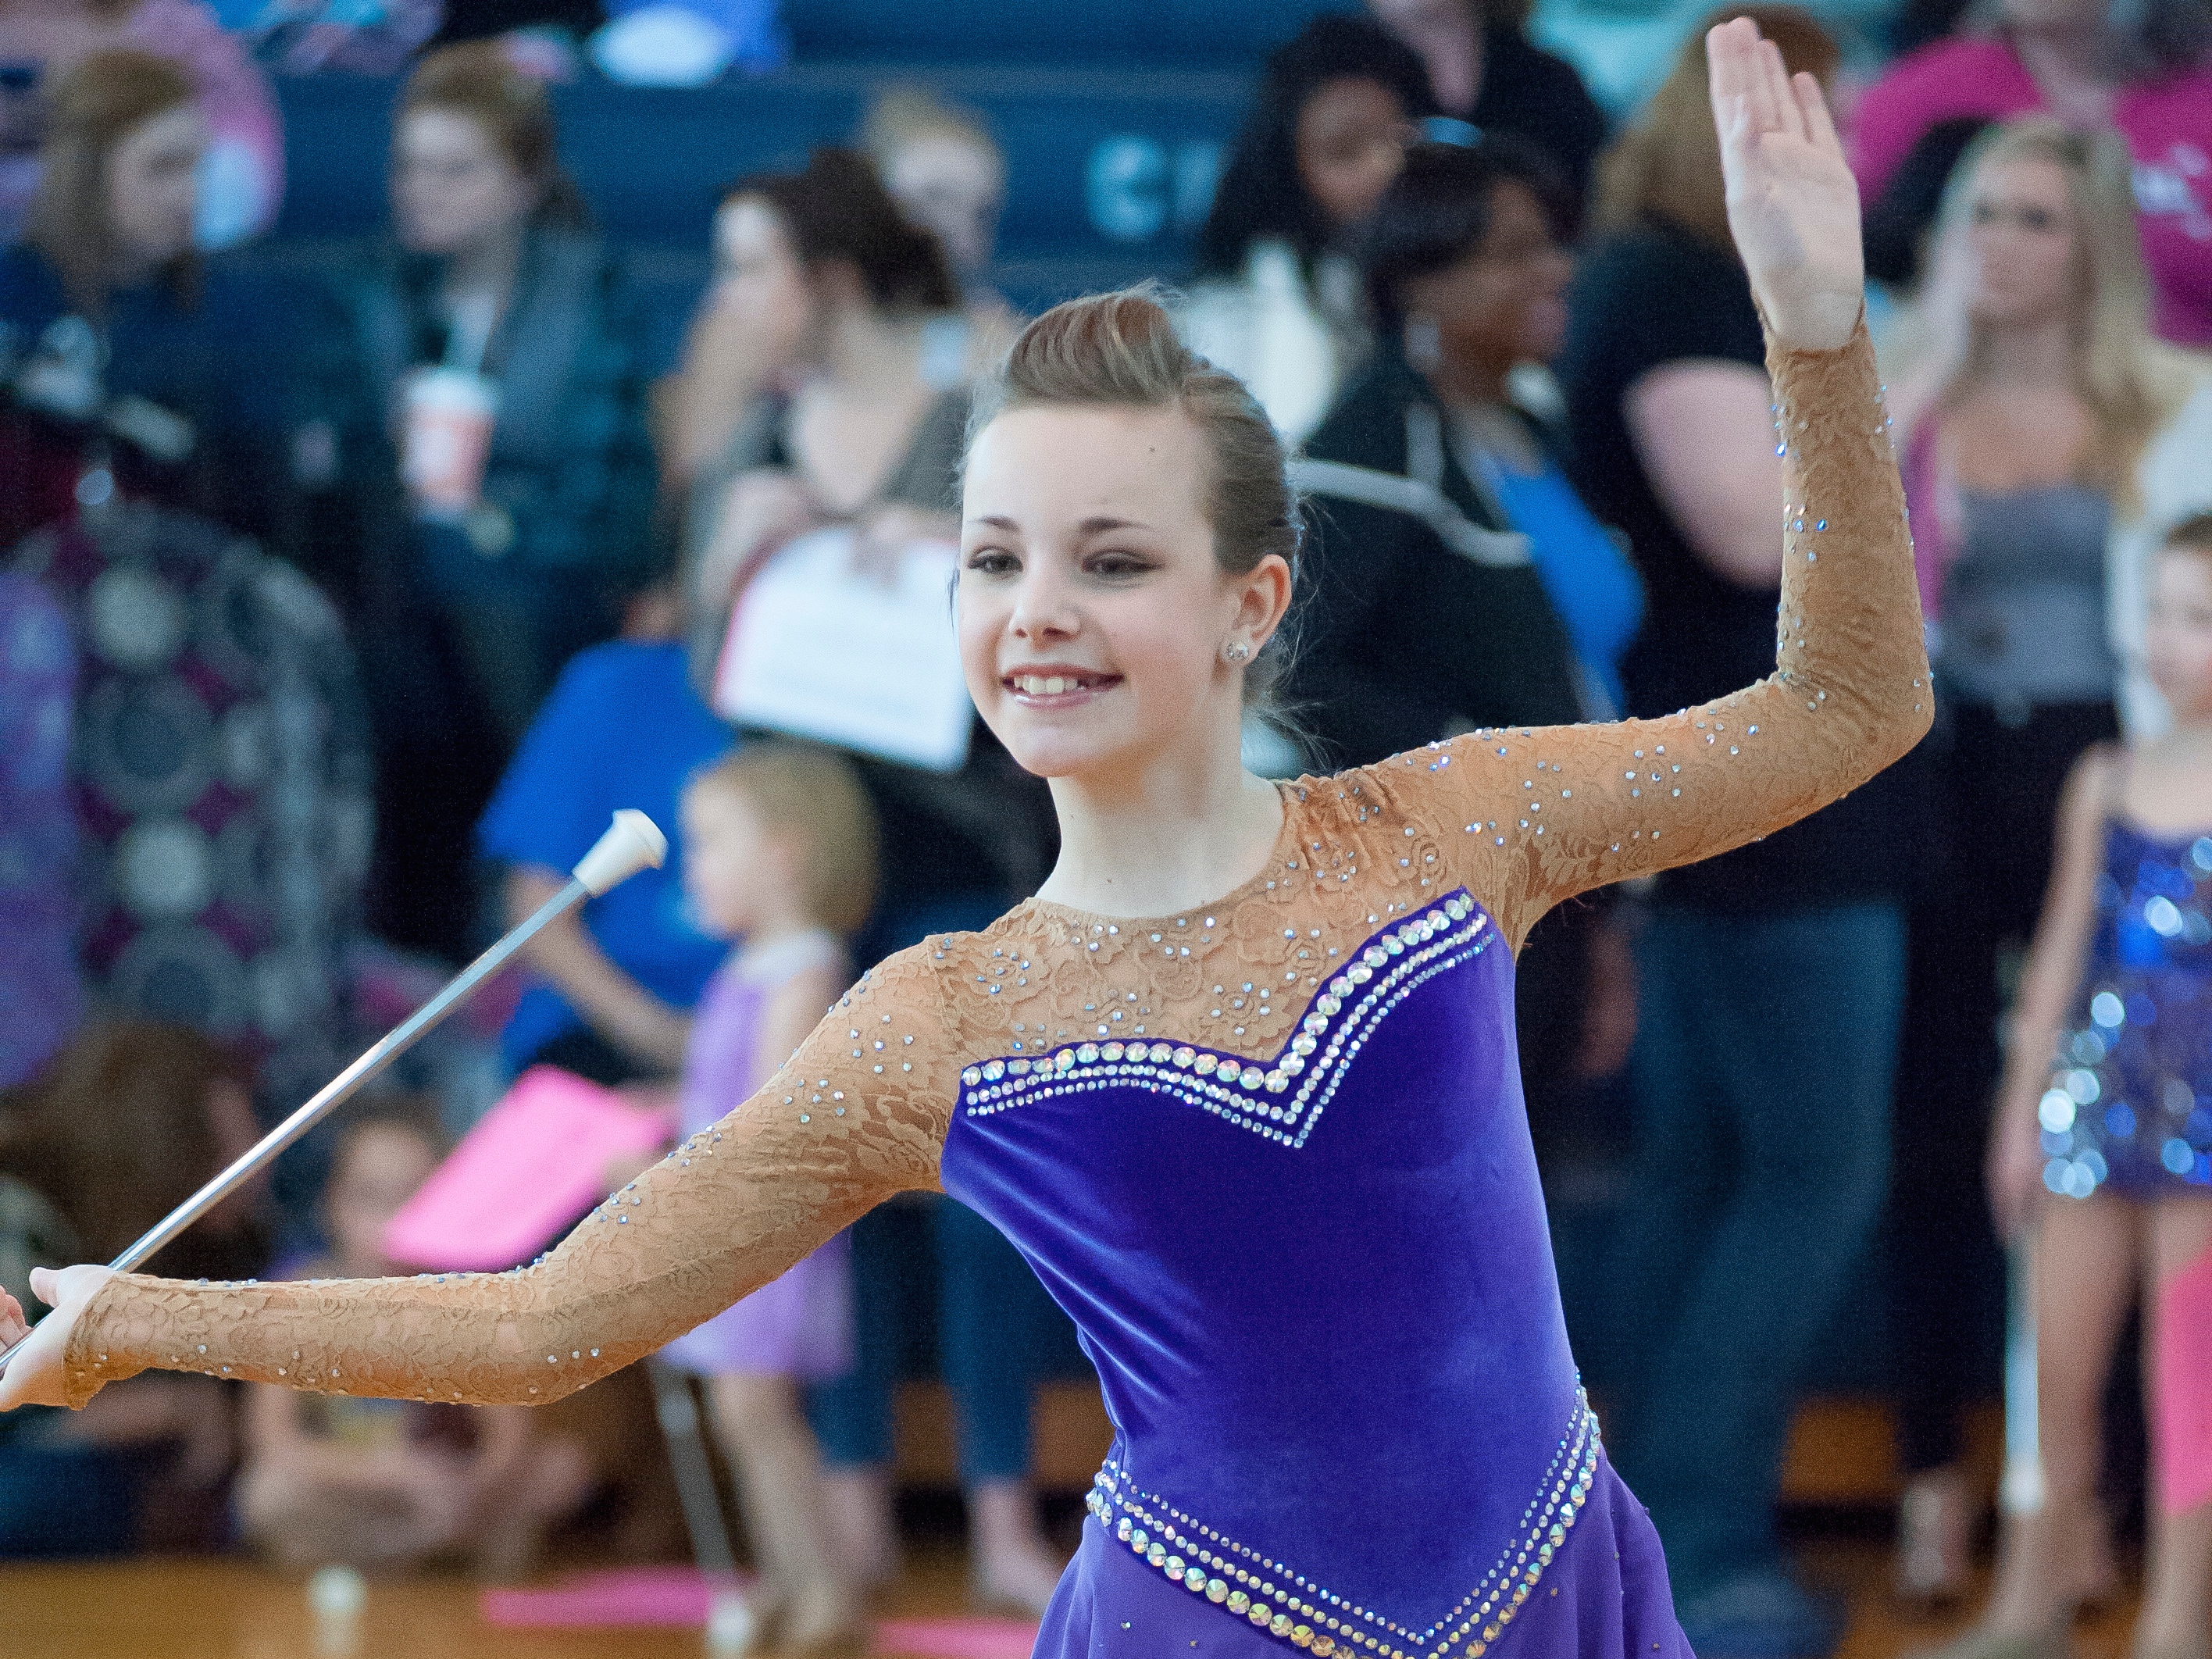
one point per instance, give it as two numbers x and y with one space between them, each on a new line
1521 819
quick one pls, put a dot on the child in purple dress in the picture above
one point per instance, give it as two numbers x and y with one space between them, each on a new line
779 849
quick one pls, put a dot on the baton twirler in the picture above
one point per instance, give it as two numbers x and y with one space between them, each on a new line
631 842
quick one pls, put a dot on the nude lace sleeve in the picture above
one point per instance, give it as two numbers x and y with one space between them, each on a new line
1527 818
858 1114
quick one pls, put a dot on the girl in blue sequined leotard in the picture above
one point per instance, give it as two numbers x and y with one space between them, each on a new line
2100 1149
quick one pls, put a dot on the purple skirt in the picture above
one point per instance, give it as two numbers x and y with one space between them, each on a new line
1604 1596
797 1325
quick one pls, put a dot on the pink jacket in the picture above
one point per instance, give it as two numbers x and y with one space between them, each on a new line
2167 123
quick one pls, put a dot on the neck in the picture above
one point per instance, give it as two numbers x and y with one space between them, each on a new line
1169 836
2068 61
777 922
871 353
487 265
1455 64
2022 355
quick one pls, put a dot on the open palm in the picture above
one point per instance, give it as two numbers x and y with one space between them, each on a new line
1792 203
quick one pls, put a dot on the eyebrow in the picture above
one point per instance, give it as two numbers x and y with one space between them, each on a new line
1094 526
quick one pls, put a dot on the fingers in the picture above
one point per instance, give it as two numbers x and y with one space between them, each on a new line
46 1285
1812 110
1730 63
1787 118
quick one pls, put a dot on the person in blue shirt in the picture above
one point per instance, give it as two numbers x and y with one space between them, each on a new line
615 981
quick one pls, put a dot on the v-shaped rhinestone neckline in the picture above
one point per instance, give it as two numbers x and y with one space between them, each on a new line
1388 967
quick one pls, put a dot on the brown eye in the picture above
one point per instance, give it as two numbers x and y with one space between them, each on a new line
2039 220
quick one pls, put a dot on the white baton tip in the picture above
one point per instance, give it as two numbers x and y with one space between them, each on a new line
633 841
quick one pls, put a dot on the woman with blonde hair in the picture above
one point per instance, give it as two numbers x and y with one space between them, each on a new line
1240 1080
2047 436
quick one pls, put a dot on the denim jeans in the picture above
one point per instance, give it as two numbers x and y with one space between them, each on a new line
1765 1051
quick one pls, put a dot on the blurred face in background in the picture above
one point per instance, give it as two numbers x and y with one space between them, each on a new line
758 274
153 188
1505 301
953 188
453 189
383 1166
2023 240
728 856
2178 632
2054 16
1351 139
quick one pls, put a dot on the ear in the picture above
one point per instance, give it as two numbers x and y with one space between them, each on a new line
1263 599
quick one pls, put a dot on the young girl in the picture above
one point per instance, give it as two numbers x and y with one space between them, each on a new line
380 1482
779 849
2102 1127
1240 1081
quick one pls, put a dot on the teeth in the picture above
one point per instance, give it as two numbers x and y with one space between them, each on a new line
1045 685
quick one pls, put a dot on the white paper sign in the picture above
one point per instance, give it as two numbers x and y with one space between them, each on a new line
819 650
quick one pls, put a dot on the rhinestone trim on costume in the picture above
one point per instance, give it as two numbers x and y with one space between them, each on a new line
1306 1615
1386 969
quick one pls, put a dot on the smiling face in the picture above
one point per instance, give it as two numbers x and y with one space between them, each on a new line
1505 301
1092 612
2025 258
2177 633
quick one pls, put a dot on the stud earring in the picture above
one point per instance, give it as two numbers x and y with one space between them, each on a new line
1236 650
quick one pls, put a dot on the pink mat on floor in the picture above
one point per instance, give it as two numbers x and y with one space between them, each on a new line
956 1638
618 1596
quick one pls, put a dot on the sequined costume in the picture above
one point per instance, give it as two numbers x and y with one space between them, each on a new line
1268 1152
2130 1106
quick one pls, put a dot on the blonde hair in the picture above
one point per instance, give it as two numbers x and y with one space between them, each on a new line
815 794
2121 373
900 116
1665 168
1121 351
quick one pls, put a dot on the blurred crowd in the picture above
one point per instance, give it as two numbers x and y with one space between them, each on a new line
338 609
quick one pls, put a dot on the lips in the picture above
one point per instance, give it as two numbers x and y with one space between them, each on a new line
1055 684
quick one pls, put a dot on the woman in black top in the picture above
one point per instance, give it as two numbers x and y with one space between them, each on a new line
1432 609
1761 1160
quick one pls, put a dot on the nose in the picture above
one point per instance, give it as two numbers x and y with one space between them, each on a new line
1044 606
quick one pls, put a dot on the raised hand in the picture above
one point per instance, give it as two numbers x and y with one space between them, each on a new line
1793 206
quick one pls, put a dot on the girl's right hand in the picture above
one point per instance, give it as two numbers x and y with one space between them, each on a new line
2014 1168
35 1370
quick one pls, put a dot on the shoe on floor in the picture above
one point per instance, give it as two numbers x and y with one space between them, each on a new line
1762 1615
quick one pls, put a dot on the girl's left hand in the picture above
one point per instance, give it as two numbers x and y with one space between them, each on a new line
35 1370
1793 206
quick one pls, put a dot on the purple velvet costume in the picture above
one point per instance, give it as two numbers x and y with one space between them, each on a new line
1333 1355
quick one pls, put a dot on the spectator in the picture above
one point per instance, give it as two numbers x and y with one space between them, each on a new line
1275 298
871 438
243 178
383 1483
120 343
526 538
1483 72
1899 220
2143 69
1526 603
1771 977
781 854
948 177
39 984
127 1122
2046 436
615 983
